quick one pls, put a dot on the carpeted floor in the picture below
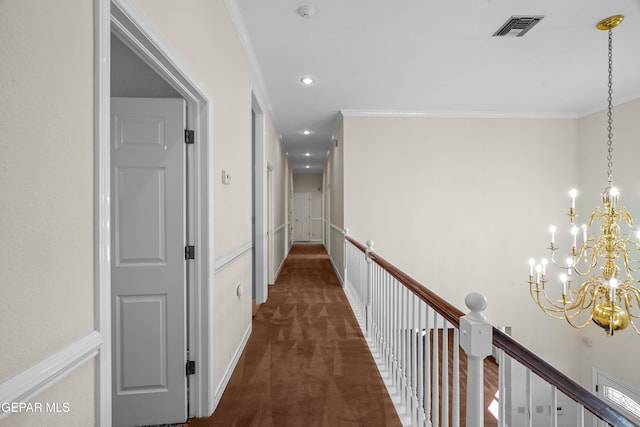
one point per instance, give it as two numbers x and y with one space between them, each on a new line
306 363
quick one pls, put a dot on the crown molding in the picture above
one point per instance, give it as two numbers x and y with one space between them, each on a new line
458 114
260 89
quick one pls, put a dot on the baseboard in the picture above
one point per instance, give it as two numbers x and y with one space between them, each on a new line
275 276
393 392
232 366
337 272
39 377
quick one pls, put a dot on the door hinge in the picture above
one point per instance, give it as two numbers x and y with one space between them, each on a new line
189 252
189 136
596 388
191 367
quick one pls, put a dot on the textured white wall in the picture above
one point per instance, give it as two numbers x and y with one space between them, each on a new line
334 181
70 402
278 160
462 204
46 183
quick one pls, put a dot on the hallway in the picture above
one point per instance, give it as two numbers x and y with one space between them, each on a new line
306 362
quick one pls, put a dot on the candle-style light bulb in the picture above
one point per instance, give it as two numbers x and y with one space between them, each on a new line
552 229
538 270
613 285
569 266
584 233
532 263
563 280
573 193
543 262
574 233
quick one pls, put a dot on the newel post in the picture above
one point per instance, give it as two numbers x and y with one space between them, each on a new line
476 339
369 285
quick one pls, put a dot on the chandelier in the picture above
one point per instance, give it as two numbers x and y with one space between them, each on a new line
602 260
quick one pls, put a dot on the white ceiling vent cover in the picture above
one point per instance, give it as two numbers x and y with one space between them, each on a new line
517 26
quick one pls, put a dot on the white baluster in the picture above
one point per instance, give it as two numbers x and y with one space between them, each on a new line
415 336
529 399
427 362
345 234
368 291
455 403
394 310
580 416
554 407
435 393
502 395
445 372
476 340
404 311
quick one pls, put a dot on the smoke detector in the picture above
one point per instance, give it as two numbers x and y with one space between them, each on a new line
517 26
306 11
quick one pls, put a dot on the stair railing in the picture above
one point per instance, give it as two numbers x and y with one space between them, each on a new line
415 337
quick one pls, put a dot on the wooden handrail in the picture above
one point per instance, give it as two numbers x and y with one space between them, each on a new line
551 375
510 346
444 308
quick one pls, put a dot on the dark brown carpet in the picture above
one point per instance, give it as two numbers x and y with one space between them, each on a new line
306 363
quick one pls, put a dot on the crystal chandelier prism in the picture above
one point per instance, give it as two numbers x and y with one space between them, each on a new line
596 284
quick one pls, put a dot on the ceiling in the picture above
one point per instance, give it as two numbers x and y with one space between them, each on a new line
431 58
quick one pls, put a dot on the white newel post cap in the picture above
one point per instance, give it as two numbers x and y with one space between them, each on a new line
369 249
345 231
476 303
476 333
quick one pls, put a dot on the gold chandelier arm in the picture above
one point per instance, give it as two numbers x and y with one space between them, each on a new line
595 251
568 319
624 213
555 306
627 304
629 293
551 307
581 302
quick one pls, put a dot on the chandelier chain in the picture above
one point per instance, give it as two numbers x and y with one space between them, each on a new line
609 113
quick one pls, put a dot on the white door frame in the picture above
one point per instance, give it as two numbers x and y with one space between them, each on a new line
124 19
260 238
601 379
270 226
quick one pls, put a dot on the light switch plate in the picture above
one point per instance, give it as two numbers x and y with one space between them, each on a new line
226 177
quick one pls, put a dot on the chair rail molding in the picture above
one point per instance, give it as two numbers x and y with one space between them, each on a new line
39 377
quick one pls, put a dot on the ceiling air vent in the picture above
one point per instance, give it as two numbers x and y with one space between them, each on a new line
517 26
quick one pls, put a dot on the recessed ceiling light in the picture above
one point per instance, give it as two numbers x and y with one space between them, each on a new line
307 154
306 132
307 80
307 166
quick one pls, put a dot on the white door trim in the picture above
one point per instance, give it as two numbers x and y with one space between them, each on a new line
123 19
601 379
260 237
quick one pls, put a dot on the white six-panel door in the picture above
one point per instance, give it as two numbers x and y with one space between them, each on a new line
148 261
302 217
